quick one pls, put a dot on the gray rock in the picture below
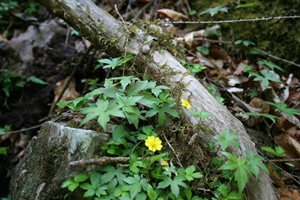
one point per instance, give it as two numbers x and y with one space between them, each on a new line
41 172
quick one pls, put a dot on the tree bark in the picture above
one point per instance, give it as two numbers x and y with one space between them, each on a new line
109 34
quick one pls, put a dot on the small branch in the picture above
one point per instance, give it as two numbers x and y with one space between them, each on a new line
173 151
22 130
99 161
277 58
232 21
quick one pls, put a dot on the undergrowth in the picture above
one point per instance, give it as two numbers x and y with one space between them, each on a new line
139 108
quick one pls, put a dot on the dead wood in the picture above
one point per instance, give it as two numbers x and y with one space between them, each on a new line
109 34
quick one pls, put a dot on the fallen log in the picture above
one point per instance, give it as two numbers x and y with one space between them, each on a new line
118 38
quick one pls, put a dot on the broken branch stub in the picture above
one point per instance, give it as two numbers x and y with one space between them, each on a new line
107 33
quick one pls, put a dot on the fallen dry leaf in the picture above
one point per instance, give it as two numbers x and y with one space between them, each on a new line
70 92
259 103
288 194
171 14
274 176
291 147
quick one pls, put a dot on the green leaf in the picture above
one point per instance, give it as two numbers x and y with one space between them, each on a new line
246 5
157 90
95 179
266 77
280 106
201 115
188 193
34 79
80 178
203 50
240 168
135 185
245 42
271 117
3 150
190 175
227 139
151 193
135 88
269 64
102 109
70 184
174 184
215 10
111 91
223 189
112 172
241 177
126 80
278 151
255 162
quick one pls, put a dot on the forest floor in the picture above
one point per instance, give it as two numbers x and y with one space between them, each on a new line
38 52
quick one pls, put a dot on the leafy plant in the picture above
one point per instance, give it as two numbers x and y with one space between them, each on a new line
240 166
193 68
271 117
247 5
245 43
282 107
114 62
269 64
215 10
124 97
7 5
277 151
203 50
227 139
213 92
201 115
11 81
6 128
72 184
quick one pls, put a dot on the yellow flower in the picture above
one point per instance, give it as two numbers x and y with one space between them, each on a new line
153 143
185 103
163 162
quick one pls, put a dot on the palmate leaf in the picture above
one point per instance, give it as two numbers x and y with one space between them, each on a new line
227 139
174 184
255 162
266 77
271 65
240 168
280 106
102 109
135 88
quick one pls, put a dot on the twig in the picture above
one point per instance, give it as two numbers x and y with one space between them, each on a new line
277 58
22 130
173 151
232 21
126 42
284 160
99 161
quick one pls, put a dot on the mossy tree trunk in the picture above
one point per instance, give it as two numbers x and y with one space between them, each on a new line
109 34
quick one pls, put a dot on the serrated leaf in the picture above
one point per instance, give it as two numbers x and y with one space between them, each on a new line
269 64
227 139
135 88
80 178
